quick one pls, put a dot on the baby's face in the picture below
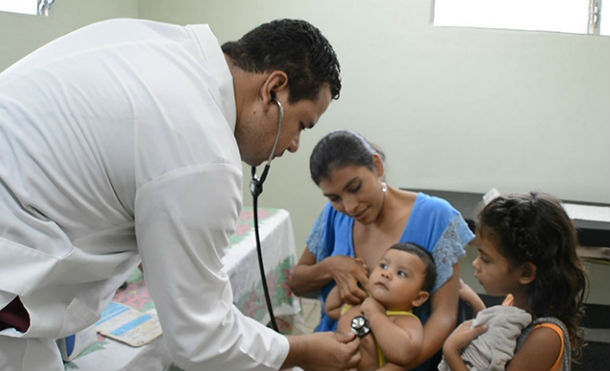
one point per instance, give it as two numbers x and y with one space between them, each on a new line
397 279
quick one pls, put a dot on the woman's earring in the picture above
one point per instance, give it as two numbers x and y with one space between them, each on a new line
384 187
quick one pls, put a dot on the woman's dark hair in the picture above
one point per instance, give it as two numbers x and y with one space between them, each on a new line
295 47
425 257
534 228
339 149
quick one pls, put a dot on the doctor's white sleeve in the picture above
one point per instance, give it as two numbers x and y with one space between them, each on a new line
183 223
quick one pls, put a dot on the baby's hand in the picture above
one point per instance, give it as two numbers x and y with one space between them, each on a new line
371 306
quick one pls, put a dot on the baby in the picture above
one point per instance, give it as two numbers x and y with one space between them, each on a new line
389 331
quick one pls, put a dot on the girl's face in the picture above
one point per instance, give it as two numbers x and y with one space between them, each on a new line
354 190
492 269
397 280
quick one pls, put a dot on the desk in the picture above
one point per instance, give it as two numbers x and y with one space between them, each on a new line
241 264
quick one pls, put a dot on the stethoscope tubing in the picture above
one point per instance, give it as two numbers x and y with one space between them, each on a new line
256 188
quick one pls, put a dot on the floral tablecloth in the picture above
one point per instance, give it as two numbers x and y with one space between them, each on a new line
241 264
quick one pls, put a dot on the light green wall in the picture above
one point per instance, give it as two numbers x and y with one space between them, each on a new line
457 109
20 34
453 108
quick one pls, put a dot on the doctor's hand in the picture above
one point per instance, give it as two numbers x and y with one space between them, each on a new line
323 351
348 272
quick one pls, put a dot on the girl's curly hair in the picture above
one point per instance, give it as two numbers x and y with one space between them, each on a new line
535 228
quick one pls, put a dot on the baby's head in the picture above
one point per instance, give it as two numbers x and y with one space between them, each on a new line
403 278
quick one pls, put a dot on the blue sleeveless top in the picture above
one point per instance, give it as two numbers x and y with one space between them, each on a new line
434 224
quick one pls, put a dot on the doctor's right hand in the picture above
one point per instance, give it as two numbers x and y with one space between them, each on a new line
324 351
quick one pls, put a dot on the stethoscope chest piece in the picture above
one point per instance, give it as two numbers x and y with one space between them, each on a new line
360 326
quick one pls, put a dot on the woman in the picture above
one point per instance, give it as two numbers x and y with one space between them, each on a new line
363 218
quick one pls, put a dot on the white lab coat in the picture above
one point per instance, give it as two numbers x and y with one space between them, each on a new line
116 143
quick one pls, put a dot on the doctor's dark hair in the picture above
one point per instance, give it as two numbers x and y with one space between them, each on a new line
295 47
534 228
426 258
338 149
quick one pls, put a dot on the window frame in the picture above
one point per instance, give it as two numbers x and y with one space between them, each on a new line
595 14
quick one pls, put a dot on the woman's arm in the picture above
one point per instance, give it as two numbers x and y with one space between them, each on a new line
309 275
443 318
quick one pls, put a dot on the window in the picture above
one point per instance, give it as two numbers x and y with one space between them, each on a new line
40 7
574 16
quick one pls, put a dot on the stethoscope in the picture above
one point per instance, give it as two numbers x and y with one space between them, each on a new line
256 188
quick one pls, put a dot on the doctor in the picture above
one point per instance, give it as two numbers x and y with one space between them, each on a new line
123 141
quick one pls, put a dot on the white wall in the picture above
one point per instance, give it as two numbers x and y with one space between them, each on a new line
20 34
456 109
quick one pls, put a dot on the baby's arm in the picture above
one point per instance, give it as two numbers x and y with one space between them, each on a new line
400 338
333 304
391 367
403 341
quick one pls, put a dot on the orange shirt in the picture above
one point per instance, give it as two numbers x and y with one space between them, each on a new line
557 365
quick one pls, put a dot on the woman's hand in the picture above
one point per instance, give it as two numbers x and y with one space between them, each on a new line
348 272
309 276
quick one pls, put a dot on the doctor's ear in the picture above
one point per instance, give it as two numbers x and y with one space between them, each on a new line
275 86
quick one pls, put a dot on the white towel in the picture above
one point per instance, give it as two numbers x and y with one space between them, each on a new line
494 348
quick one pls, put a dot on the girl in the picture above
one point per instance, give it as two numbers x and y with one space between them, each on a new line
527 248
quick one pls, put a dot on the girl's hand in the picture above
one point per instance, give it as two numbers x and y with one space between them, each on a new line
461 337
347 273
